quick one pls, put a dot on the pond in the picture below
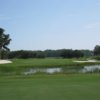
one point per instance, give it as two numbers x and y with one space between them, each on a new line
42 70
91 69
75 69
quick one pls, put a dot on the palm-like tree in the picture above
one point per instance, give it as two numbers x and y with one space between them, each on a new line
4 40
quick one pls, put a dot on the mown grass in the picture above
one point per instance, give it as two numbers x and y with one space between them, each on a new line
51 87
46 63
20 64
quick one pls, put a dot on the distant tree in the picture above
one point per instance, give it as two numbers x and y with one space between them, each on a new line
66 53
52 53
87 53
77 53
69 53
97 50
40 54
4 41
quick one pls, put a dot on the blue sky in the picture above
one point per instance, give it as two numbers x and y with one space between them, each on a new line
51 24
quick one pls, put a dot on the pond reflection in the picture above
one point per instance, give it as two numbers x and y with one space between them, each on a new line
43 70
91 69
75 69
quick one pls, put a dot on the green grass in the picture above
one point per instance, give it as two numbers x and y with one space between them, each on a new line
20 64
41 62
45 63
51 87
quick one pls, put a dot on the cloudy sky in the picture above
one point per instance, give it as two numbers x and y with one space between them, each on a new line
51 24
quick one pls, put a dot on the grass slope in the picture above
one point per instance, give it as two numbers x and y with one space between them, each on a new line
51 87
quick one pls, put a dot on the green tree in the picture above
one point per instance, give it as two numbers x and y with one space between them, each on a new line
66 53
77 53
4 41
97 50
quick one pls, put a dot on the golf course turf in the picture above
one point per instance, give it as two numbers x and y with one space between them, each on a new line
50 87
41 86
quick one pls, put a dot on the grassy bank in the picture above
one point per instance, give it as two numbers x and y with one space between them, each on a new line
46 63
20 64
51 87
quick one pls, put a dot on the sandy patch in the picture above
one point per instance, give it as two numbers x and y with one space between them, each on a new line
86 61
5 61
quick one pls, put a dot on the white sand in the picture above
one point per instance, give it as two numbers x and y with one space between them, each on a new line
86 61
5 61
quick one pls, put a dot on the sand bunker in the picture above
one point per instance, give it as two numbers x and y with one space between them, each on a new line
86 61
5 61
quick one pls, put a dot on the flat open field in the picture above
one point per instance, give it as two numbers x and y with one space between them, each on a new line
51 87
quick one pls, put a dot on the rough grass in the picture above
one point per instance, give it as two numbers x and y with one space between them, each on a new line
51 87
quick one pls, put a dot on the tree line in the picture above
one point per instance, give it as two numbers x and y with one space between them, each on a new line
60 53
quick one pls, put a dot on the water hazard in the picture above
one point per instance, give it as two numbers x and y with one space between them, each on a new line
91 69
42 70
76 69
